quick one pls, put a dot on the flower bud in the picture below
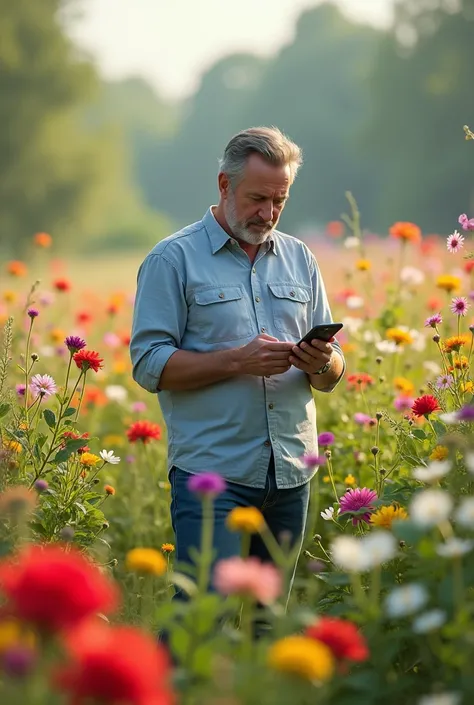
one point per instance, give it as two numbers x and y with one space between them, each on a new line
402 544
436 338
381 379
317 537
471 328
379 360
327 453
374 450
382 471
34 357
67 533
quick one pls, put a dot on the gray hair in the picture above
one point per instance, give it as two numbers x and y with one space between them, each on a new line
269 142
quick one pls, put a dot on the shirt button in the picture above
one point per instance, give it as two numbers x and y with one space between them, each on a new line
292 293
267 443
254 271
270 406
257 299
262 329
221 295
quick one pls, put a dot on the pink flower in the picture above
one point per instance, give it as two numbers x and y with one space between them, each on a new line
311 460
444 381
362 419
433 321
356 499
459 305
249 578
138 406
43 386
112 340
466 223
455 242
206 484
403 403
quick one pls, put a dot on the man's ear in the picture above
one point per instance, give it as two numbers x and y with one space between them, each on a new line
223 184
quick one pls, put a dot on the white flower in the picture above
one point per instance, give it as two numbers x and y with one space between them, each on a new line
419 340
349 554
406 600
432 367
412 275
465 513
352 324
388 346
328 514
433 472
454 547
46 351
380 546
469 460
371 336
440 699
351 242
430 507
115 392
429 621
354 302
109 457
450 418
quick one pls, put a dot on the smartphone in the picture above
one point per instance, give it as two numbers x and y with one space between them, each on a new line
322 332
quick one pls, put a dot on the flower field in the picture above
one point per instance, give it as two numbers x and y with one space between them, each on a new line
382 604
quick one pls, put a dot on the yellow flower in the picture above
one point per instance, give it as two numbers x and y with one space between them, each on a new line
301 656
460 363
363 265
247 519
13 634
112 440
119 367
167 547
448 283
404 386
164 486
326 479
14 446
145 560
384 516
57 335
350 480
467 387
89 460
9 297
439 453
455 343
399 336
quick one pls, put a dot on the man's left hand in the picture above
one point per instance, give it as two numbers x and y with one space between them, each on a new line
310 358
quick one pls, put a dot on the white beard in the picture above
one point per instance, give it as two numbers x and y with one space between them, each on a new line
239 230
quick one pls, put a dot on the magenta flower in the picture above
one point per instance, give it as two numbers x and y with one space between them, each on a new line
138 406
326 439
41 485
459 305
403 403
312 460
433 321
42 386
207 484
466 413
444 381
20 390
465 222
455 242
74 343
362 419
356 499
33 313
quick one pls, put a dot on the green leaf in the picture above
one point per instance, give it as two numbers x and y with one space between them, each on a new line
4 409
439 427
179 641
81 507
49 417
419 433
407 531
70 411
71 446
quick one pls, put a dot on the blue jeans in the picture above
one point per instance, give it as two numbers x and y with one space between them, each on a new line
285 513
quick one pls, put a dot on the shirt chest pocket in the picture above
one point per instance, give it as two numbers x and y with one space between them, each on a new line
222 314
291 304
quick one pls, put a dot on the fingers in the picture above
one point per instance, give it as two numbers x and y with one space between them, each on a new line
279 346
322 346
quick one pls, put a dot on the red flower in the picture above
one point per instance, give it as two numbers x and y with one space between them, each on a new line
76 436
424 406
469 266
143 431
342 637
62 284
83 317
53 589
434 304
361 380
86 359
116 664
335 228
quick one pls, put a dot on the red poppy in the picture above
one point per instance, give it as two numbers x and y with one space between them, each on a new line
53 589
342 637
425 405
144 431
62 284
88 359
116 664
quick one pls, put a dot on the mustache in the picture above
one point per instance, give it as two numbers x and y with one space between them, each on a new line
258 221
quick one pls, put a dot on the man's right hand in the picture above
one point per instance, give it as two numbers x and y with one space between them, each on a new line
264 356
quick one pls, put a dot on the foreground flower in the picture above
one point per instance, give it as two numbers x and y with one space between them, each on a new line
207 484
114 665
445 381
312 460
459 305
33 313
343 638
454 547
326 439
407 232
465 513
385 516
145 560
455 242
302 656
433 472
425 405
434 320
406 600
53 589
74 343
88 359
42 386
247 519
466 413
167 548
328 514
109 457
455 343
357 555
144 431
356 499
248 577
89 460
440 699
430 507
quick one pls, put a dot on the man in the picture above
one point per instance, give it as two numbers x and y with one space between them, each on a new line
219 308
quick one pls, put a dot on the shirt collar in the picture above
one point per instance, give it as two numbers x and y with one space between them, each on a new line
218 236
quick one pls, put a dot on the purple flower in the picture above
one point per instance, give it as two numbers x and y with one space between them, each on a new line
46 298
434 320
207 484
444 381
41 485
43 386
17 661
33 312
130 459
356 499
20 390
362 419
326 439
459 305
466 413
403 403
74 343
312 460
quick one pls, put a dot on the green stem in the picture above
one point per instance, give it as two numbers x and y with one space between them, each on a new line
27 369
205 559
331 477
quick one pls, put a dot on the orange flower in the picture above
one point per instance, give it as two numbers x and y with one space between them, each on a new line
407 232
109 489
404 386
469 266
361 380
16 268
363 265
43 240
399 336
94 396
62 284
455 343
335 228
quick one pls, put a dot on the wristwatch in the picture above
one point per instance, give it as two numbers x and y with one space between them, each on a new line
325 368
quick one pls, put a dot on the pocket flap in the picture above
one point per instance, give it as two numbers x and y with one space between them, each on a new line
292 292
217 296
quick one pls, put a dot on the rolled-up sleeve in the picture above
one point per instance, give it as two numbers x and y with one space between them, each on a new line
159 319
322 314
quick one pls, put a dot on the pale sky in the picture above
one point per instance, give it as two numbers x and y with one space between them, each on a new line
171 42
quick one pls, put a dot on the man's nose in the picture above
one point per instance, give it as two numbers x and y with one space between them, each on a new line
266 212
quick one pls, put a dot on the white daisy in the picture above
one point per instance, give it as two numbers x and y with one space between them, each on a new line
429 621
109 457
433 472
454 547
430 507
406 600
465 513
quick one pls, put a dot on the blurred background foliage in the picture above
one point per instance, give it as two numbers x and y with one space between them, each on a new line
116 166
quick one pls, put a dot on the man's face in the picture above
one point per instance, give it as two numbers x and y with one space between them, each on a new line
253 208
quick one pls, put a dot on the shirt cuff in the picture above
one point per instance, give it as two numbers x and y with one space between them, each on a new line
150 369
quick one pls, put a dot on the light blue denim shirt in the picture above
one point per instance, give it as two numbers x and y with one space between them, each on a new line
198 290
